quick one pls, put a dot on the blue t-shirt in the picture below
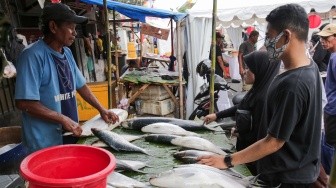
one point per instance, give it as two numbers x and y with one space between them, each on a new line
38 79
330 86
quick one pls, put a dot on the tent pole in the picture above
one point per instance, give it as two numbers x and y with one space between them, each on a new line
213 57
115 43
108 51
332 177
179 59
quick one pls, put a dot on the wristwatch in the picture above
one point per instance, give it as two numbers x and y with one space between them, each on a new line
228 160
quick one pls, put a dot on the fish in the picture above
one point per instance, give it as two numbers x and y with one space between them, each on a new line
130 166
117 142
167 128
98 122
7 69
101 144
160 138
117 180
198 143
138 123
192 153
194 176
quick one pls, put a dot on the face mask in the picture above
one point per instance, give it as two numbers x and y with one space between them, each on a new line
273 52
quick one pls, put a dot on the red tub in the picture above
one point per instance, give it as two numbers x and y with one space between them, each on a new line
68 166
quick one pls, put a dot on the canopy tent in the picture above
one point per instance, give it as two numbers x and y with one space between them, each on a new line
138 12
228 13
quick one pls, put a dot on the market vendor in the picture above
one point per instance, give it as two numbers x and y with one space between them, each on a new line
47 81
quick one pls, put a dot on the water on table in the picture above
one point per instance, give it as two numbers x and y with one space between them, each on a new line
162 155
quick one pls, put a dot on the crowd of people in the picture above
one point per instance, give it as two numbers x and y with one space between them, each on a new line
279 121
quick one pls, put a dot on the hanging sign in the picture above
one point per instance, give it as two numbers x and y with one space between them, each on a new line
154 31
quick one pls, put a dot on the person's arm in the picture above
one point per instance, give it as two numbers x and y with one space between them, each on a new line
258 150
36 109
222 114
87 95
220 60
240 58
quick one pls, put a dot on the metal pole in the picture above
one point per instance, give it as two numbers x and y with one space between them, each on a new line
179 59
108 51
213 57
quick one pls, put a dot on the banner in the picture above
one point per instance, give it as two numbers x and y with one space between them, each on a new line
154 31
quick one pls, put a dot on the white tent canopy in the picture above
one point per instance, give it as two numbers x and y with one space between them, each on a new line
228 13
238 11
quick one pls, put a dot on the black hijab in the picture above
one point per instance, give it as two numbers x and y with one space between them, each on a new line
264 71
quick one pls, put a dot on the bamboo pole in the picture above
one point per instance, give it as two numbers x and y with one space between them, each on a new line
179 59
108 51
115 43
213 57
172 36
332 177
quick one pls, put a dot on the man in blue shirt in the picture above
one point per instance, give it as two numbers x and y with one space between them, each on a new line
48 79
328 39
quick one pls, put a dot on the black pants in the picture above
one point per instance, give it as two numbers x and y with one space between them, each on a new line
330 128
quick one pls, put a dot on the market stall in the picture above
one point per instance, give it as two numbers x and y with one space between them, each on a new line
140 13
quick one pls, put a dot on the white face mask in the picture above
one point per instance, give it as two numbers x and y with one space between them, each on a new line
273 52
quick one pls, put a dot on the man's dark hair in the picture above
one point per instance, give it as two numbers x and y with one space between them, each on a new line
292 17
253 33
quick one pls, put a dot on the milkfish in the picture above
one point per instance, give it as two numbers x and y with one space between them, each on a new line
116 141
195 176
98 122
101 144
167 128
127 165
198 143
117 180
160 138
138 123
192 153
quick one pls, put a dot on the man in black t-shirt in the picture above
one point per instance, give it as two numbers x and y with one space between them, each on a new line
288 149
220 62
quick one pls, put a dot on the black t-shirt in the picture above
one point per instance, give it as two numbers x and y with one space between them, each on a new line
218 69
293 113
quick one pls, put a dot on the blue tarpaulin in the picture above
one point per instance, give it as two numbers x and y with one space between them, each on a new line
137 12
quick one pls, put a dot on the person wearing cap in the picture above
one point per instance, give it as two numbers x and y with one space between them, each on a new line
244 49
47 82
328 41
220 62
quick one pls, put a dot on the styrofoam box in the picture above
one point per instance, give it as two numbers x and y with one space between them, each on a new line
161 108
152 92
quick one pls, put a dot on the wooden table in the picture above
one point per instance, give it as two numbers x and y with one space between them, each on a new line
164 61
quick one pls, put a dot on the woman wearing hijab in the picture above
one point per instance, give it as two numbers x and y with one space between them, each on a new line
260 73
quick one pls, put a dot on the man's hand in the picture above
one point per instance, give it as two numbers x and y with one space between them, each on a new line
216 161
241 71
109 116
72 126
209 118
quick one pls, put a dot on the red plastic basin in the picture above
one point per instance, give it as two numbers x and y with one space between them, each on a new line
68 166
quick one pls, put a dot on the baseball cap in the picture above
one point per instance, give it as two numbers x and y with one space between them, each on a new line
328 30
218 35
61 12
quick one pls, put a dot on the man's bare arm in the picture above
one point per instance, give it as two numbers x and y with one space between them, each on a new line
240 61
221 64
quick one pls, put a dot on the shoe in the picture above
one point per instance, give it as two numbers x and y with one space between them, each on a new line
235 81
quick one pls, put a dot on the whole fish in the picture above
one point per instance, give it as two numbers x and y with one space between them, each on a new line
116 141
192 153
160 138
117 180
167 128
130 166
138 123
194 177
98 122
198 143
101 144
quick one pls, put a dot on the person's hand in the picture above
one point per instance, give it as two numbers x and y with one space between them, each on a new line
225 76
241 71
209 118
109 116
72 126
216 161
